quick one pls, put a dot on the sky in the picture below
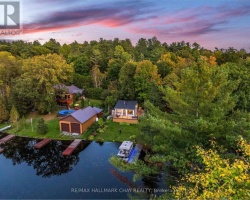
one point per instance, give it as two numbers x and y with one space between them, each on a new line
210 23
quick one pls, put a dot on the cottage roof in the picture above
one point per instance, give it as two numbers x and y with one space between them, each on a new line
98 110
70 89
84 115
74 90
123 104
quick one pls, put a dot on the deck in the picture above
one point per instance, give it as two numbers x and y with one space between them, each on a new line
126 120
42 143
64 101
71 147
135 153
6 139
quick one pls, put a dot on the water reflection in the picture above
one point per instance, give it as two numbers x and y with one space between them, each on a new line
45 173
145 191
47 161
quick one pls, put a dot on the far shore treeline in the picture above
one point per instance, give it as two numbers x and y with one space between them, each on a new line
196 102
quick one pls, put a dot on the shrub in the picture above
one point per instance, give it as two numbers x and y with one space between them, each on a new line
91 137
100 122
94 93
132 138
23 123
82 103
42 128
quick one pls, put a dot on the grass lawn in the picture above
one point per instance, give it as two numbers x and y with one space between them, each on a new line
91 102
94 102
112 132
128 132
29 130
3 125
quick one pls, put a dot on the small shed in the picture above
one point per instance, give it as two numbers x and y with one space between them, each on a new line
80 120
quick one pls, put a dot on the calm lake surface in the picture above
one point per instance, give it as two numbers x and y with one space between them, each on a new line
28 173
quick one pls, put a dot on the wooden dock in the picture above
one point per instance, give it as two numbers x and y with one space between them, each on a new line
1 150
71 147
6 139
135 153
42 143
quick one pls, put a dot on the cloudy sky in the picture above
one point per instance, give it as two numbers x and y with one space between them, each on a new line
211 23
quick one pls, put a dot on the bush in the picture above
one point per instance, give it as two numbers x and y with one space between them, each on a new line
42 128
104 116
133 138
100 122
23 123
82 103
94 93
91 137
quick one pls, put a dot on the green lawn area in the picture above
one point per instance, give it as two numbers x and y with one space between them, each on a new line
94 102
28 131
112 132
91 102
3 125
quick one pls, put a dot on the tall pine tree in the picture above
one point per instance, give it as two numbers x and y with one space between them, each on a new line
14 116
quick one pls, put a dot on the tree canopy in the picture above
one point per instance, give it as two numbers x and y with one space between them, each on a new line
190 95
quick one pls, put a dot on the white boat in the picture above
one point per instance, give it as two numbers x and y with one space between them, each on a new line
125 150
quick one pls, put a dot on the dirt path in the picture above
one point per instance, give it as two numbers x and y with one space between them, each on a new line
45 117
49 116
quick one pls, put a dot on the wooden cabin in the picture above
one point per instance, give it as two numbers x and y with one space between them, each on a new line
66 94
126 111
80 120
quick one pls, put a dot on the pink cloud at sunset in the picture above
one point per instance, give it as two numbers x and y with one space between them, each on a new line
169 21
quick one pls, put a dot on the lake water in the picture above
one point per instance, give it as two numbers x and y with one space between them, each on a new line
28 173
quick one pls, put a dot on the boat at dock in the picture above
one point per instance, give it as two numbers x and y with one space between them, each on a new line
125 150
128 152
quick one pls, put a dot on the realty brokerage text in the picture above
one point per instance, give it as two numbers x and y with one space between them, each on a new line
121 190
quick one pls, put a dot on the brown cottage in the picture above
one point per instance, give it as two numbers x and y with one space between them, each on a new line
80 120
66 95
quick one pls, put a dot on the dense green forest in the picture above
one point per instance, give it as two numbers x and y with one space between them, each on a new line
196 102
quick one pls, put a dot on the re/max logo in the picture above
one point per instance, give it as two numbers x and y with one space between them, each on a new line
9 15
